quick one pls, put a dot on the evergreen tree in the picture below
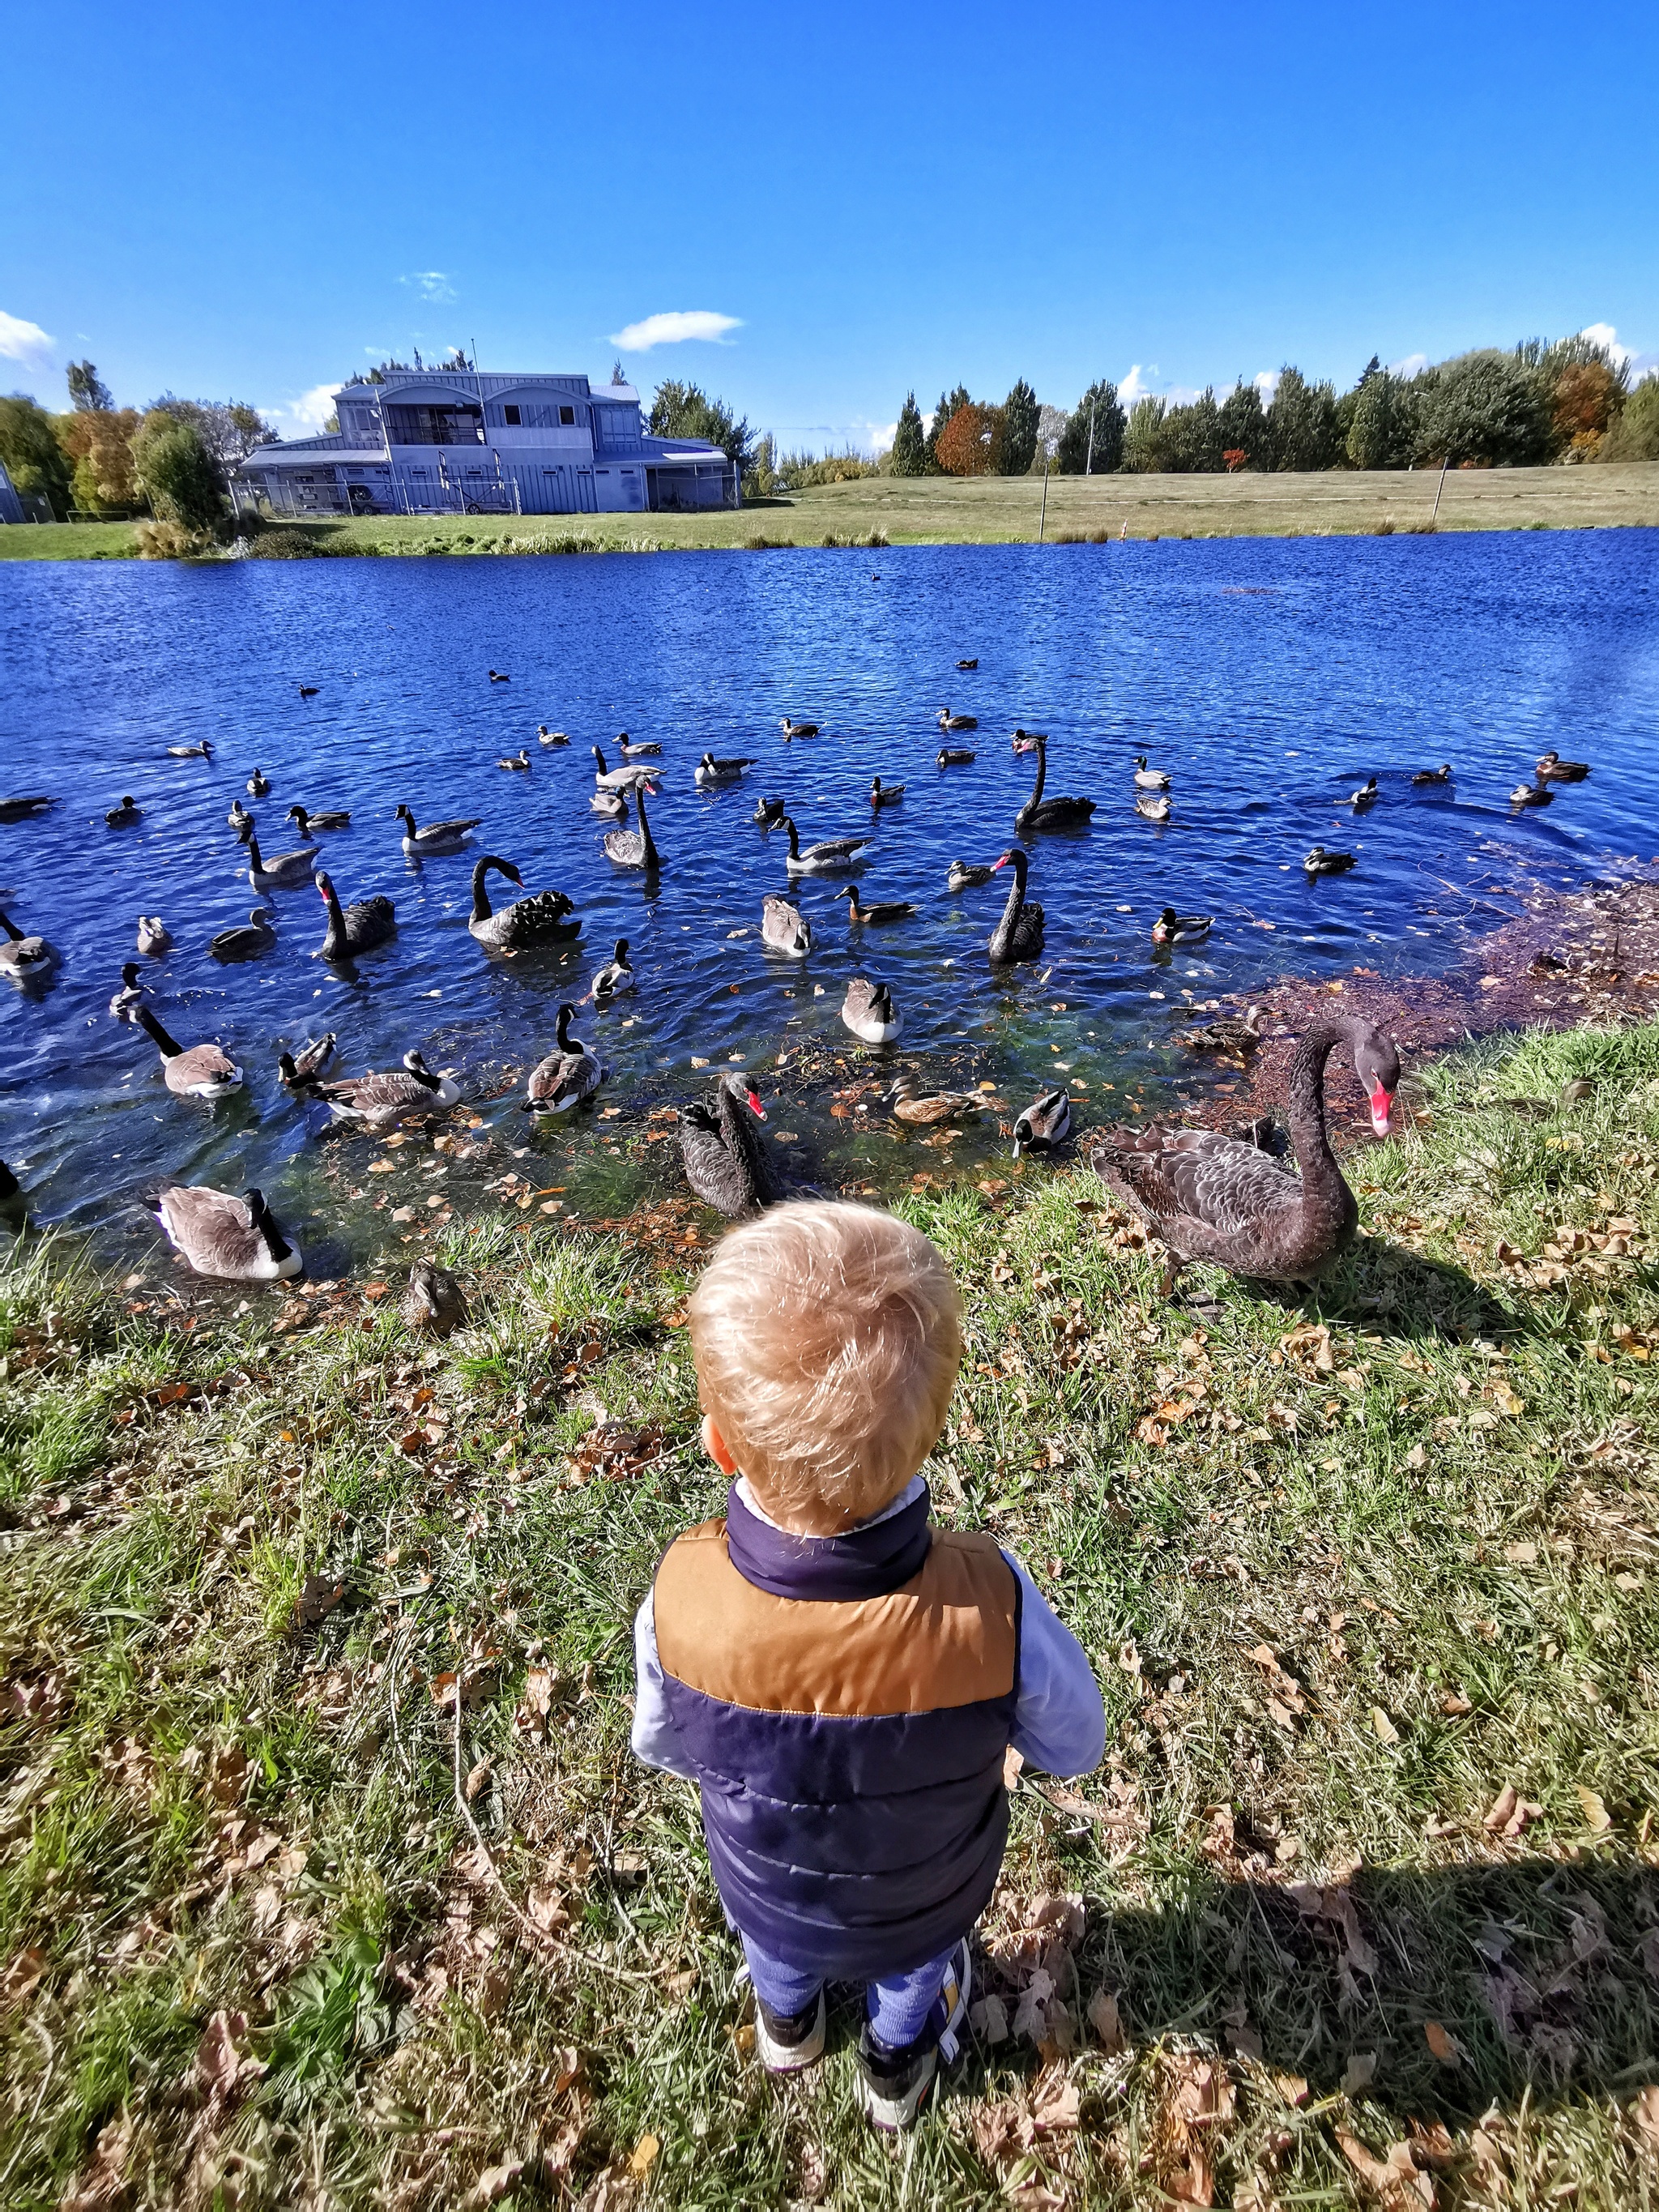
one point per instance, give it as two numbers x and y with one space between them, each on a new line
1301 424
909 455
1143 437
1092 441
1488 407
1245 426
1190 443
1383 432
1017 442
88 390
686 411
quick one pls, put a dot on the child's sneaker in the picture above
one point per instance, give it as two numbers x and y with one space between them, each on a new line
787 2041
895 2085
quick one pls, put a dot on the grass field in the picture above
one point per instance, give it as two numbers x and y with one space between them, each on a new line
997 510
328 1879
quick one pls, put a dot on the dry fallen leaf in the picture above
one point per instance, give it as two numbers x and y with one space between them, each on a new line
1107 2020
989 2021
644 2157
477 1779
1441 2043
1643 2109
1394 2177
1383 1727
19 1980
1360 2072
1596 1817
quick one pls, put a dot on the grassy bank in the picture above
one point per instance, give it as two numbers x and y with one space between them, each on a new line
1362 1904
997 510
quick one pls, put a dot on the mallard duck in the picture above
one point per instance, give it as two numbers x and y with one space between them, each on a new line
299 1071
240 819
1440 775
518 763
1154 806
1019 934
1551 769
286 872
379 1099
247 939
947 721
546 736
199 1070
1173 928
25 959
258 784
956 756
648 749
203 752
634 848
1208 1197
725 1163
784 927
614 979
437 838
1045 1125
869 1012
883 911
358 927
1149 779
969 664
969 875
154 937
537 920
1318 861
937 1106
1366 796
768 812
884 794
124 816
500 676
238 1239
568 1076
608 805
24 809
1041 813
307 822
129 997
434 1303
817 859
1229 1033
710 770
1532 794
792 730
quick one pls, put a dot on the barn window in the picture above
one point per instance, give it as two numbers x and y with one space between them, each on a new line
567 415
510 415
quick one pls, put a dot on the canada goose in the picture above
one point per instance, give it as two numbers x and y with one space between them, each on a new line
1173 928
434 1303
710 770
969 664
956 756
499 676
1319 862
947 721
1041 813
1532 794
725 1163
1019 934
356 928
154 937
537 920
240 819
830 853
128 998
937 1106
203 752
884 910
298 1071
309 690
868 1010
768 812
634 848
784 927
967 876
1209 1197
24 809
615 978
618 779
437 837
124 816
1440 775
202 1071
258 784
792 730
518 763
1230 1034
1152 805
1149 779
568 1076
608 805
1045 1125
238 1239
380 1099
1551 769
884 794
286 872
546 736
645 749
308 822
1366 796
247 940
25 959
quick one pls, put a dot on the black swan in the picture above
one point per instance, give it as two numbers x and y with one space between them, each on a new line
538 919
1019 934
356 928
1041 813
725 1163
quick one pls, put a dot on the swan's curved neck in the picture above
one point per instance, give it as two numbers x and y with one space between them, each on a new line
1305 1104
1036 799
481 908
645 839
337 928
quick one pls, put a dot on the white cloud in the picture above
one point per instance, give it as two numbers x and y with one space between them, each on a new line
1135 386
1265 381
1413 364
430 284
1604 334
675 329
24 342
305 417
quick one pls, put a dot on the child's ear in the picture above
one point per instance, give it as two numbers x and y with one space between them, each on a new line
714 1445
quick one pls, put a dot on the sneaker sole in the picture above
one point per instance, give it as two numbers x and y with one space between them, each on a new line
791 2058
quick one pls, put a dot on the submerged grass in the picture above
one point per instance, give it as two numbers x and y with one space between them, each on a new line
1369 1869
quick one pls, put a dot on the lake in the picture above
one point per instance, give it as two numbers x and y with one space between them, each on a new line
1269 677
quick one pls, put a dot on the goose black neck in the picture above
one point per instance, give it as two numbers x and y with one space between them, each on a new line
648 842
794 838
10 928
565 1043
1304 1103
265 1225
426 1078
169 1048
600 756
253 859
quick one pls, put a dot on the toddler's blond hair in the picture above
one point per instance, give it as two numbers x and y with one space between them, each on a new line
827 1340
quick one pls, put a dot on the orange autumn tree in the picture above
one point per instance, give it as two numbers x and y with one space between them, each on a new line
966 441
1587 395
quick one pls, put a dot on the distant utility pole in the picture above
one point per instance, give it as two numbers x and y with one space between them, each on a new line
1439 487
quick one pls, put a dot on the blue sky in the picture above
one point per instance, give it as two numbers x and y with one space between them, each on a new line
849 203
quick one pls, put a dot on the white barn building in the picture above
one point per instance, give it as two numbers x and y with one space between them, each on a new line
452 441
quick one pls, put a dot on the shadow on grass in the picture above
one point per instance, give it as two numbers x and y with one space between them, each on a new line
1402 1293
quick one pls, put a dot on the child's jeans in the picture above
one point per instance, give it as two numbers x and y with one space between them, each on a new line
898 2008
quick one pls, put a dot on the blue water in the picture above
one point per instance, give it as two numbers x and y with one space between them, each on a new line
1267 677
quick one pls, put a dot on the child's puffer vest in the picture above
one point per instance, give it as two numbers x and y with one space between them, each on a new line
847 1702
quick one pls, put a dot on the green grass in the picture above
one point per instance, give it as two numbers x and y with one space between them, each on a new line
1346 1570
995 510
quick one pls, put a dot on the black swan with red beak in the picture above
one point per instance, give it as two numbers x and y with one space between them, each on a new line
1206 1196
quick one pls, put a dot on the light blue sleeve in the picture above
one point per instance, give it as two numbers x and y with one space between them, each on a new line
1059 1717
654 1738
